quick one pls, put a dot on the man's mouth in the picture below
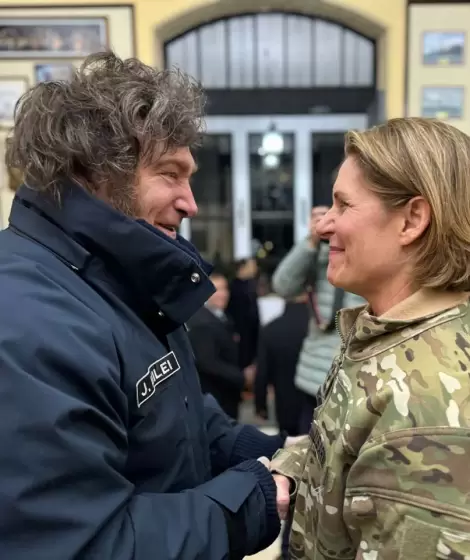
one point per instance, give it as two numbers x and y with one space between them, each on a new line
167 229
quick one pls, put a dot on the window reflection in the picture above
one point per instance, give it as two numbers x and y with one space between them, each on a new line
175 54
241 61
328 55
274 50
299 57
270 49
213 54
366 62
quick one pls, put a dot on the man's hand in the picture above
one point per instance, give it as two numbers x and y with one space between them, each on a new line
317 214
292 440
283 494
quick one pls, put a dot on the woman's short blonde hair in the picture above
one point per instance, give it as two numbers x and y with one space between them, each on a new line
409 157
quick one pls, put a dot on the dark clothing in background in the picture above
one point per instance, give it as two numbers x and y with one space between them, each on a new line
109 447
243 310
309 404
215 346
280 343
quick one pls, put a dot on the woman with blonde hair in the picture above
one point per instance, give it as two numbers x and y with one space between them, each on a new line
385 472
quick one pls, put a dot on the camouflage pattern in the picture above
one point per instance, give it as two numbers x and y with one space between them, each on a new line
385 474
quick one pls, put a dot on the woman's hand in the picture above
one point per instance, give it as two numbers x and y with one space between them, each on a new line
283 490
317 214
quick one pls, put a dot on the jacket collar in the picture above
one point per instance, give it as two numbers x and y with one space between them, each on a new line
424 307
168 274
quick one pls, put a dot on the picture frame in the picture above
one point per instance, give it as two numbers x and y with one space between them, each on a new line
443 102
11 89
443 48
52 37
53 71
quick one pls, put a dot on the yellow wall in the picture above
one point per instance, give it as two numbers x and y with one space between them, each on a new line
439 17
157 20
121 39
120 31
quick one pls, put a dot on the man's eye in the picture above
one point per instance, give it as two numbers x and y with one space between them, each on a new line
170 174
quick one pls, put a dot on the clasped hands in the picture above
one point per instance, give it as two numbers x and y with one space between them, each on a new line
282 490
282 482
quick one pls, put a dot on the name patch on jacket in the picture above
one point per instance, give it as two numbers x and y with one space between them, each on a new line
157 372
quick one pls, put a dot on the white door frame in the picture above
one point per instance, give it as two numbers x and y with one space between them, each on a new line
303 127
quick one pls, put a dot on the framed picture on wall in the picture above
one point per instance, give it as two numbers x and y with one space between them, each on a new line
443 48
52 37
443 102
50 72
11 89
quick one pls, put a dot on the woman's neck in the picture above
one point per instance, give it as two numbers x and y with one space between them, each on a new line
381 301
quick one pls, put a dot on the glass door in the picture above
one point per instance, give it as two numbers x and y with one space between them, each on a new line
256 201
327 156
211 231
272 193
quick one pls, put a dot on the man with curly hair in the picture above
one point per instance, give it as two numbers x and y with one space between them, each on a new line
110 450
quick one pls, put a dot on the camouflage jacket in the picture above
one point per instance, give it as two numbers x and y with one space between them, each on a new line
385 473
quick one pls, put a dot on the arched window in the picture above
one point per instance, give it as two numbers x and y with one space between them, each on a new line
274 50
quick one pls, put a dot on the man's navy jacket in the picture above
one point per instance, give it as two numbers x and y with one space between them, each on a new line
109 450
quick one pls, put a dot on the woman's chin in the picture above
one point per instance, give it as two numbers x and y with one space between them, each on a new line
332 275
335 277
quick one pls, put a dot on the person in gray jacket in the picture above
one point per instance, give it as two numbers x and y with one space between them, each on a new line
305 267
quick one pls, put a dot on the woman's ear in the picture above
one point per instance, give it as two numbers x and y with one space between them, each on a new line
416 218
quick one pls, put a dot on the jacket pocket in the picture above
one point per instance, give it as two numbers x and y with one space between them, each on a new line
452 545
425 541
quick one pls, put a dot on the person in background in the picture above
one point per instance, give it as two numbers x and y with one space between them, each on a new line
270 305
280 343
304 268
110 449
242 308
385 473
279 346
215 345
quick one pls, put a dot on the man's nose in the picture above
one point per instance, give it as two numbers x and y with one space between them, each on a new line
187 204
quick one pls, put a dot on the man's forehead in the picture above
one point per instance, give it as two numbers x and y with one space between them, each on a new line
181 157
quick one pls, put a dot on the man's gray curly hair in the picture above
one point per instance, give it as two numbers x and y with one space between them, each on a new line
111 116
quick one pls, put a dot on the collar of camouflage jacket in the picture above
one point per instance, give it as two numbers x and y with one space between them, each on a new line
366 334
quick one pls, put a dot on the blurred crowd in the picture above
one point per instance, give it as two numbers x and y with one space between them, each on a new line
271 333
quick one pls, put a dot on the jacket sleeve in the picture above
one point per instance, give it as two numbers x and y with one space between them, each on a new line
63 435
291 275
407 495
232 443
208 361
291 461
